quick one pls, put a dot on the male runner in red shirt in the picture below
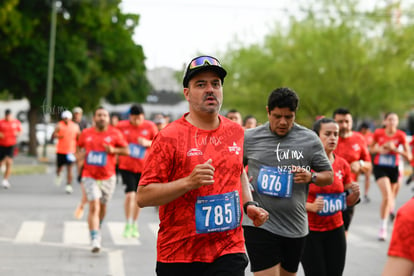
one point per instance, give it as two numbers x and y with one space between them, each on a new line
353 148
10 129
139 134
101 143
194 172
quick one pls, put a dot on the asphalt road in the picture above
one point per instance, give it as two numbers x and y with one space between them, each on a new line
39 235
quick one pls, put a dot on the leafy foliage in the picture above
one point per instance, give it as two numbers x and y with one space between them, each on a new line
95 55
335 56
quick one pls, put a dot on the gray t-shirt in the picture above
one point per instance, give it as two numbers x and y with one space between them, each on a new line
270 158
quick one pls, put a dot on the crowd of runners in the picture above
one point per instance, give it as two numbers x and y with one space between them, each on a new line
232 191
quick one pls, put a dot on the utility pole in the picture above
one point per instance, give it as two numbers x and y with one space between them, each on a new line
51 64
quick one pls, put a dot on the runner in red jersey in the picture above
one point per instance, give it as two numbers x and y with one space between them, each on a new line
67 133
325 247
386 147
353 148
10 129
400 260
194 172
364 129
139 134
100 143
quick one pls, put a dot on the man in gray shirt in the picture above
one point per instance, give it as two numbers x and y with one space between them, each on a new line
283 158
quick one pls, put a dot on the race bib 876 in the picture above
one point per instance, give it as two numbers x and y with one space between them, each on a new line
217 213
274 182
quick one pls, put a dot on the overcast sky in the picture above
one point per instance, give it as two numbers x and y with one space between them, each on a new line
173 31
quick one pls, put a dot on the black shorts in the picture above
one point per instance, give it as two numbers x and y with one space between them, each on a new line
391 172
325 253
226 265
130 180
62 159
266 250
6 151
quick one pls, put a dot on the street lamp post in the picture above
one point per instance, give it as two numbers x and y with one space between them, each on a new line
51 64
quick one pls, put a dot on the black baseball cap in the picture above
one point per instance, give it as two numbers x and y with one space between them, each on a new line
203 63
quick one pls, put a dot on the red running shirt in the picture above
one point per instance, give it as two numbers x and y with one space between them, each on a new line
412 152
98 164
380 137
135 161
9 130
174 153
342 176
353 148
402 240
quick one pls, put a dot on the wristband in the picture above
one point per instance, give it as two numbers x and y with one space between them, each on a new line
348 192
361 163
255 203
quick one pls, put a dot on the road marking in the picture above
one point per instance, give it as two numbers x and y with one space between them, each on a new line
116 229
116 263
30 232
76 232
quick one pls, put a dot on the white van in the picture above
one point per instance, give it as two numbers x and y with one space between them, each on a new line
19 110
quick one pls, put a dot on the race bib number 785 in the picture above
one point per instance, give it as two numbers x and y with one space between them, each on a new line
217 213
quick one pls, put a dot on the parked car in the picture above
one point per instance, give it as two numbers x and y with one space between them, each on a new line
41 131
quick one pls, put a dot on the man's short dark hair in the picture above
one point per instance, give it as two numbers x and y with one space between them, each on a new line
283 97
7 112
136 109
341 111
364 125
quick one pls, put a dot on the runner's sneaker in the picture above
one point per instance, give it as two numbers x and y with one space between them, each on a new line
382 234
69 189
96 245
6 184
128 231
367 199
58 180
134 231
78 214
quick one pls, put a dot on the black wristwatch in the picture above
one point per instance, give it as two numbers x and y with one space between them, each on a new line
255 203
313 177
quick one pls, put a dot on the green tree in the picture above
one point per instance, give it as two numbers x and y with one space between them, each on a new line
333 56
95 55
